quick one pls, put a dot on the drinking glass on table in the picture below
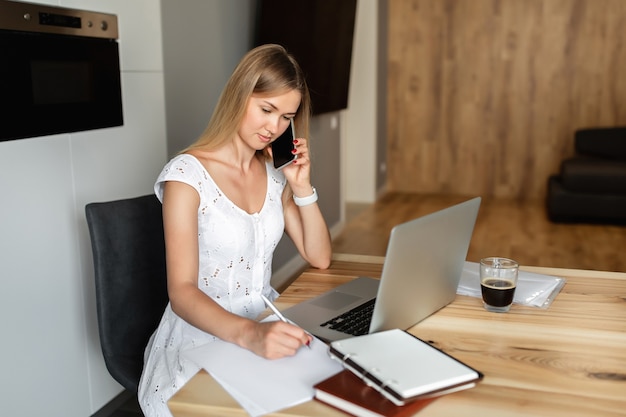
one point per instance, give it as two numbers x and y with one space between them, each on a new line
498 279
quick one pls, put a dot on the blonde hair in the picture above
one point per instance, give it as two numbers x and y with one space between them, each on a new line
265 70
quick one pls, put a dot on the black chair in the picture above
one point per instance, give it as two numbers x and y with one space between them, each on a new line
591 185
131 288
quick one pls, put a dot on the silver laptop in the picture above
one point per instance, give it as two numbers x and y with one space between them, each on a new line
420 275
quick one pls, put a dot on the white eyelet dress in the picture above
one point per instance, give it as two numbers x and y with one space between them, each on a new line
235 267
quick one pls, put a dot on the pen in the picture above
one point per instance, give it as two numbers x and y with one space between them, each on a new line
280 316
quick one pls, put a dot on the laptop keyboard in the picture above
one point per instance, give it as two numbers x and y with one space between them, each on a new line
355 322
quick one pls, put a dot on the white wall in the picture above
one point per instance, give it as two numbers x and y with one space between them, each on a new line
360 120
50 355
201 47
203 40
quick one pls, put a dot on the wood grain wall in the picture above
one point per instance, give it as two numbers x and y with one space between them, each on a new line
484 95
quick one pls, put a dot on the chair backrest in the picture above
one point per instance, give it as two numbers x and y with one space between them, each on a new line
131 286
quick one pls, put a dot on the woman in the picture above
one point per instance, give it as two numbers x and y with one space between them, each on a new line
224 211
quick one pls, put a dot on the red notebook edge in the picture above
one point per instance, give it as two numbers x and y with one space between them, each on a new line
346 392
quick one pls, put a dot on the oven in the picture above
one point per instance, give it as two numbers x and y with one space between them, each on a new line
59 70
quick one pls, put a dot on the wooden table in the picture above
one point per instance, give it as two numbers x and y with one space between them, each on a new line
568 360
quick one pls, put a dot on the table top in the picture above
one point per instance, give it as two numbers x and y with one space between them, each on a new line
568 360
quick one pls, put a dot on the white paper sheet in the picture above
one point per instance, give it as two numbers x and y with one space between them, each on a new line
263 386
535 290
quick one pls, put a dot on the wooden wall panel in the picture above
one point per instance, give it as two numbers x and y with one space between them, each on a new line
484 95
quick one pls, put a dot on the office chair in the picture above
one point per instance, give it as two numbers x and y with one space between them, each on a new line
131 289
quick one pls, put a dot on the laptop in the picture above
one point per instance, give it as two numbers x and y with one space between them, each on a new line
420 275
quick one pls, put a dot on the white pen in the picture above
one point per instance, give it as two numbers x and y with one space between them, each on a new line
280 315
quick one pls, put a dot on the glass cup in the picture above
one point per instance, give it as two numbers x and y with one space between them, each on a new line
498 279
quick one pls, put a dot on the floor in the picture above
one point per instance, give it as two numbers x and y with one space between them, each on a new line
519 230
124 405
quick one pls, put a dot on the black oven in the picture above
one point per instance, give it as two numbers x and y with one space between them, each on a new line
59 70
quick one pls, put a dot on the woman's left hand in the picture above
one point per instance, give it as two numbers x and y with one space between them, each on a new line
298 173
305 224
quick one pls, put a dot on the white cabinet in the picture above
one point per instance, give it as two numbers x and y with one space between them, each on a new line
50 351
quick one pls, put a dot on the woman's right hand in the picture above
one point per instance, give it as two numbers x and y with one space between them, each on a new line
276 339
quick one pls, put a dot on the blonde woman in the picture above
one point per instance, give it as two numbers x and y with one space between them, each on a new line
224 211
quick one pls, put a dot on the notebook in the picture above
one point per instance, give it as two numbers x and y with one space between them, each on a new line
349 393
402 367
420 275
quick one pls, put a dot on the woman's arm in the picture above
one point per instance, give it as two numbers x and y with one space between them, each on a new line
180 221
305 225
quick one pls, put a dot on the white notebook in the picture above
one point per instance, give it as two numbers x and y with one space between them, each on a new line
403 367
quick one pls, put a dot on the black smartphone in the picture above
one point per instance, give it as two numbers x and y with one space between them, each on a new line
283 146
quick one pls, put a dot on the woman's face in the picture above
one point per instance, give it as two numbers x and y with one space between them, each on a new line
267 117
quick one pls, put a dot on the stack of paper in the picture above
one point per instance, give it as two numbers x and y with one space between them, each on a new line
263 386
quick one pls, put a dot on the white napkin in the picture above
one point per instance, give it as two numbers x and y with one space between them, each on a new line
535 290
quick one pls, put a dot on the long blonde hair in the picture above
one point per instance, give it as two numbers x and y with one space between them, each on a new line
265 70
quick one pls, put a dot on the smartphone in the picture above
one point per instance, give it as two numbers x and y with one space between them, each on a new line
283 146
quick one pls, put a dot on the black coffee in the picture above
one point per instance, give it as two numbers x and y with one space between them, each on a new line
497 292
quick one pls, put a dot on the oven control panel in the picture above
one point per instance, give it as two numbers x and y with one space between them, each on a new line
30 17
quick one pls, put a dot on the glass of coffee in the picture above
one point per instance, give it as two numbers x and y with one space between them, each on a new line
498 279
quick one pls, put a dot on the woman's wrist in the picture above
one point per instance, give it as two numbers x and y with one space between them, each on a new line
306 200
243 332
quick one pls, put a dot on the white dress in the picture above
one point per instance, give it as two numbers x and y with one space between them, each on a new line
235 250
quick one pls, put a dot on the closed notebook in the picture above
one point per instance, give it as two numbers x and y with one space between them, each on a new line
349 393
403 367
